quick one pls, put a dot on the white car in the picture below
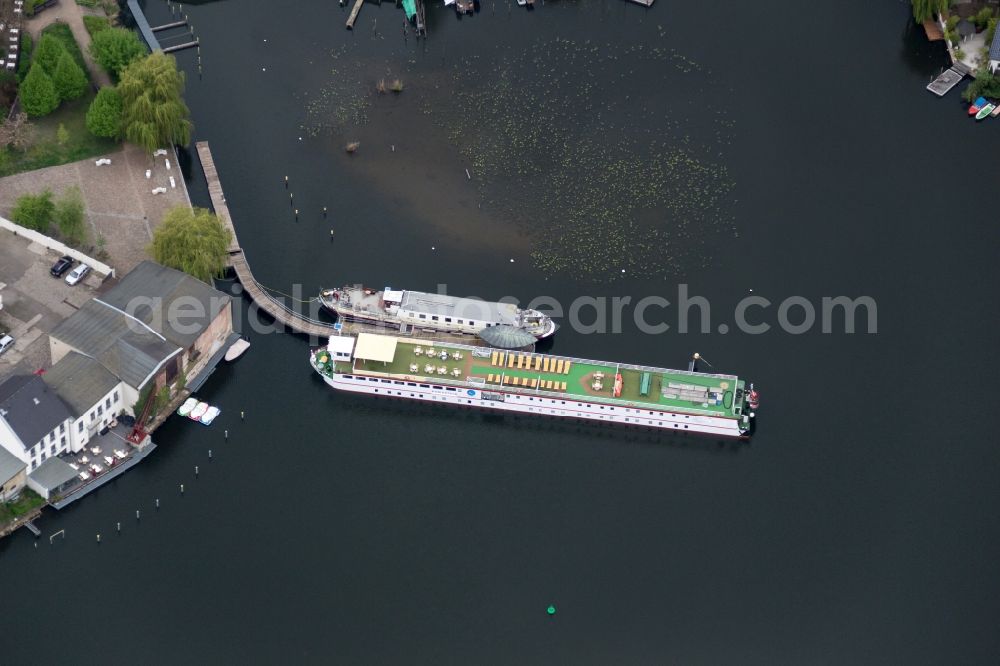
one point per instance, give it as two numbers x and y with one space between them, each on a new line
6 342
77 274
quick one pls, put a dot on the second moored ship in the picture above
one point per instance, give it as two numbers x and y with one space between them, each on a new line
408 310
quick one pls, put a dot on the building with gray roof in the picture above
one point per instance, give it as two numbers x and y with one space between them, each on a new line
174 304
81 382
127 347
35 423
155 324
51 478
995 52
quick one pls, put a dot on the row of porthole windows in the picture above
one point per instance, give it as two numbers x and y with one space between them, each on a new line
579 404
551 411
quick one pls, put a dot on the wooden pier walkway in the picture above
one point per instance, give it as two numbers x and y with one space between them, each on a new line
264 300
168 26
185 45
283 314
354 14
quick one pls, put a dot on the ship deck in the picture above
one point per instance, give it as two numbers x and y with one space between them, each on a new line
559 376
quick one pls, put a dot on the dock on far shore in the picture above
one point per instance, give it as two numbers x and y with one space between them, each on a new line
948 79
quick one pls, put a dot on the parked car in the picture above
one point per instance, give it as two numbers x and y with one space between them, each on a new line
61 266
6 342
77 274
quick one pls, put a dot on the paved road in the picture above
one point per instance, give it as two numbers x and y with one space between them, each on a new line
71 14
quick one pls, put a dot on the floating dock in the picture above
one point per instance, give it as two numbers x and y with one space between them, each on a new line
943 84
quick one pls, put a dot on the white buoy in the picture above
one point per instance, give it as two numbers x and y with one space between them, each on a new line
196 470
137 514
119 528
182 489
98 538
157 502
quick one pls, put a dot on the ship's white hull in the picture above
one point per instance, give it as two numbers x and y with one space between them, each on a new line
542 405
396 324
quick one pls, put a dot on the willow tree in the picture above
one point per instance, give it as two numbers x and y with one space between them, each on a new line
191 240
927 9
153 112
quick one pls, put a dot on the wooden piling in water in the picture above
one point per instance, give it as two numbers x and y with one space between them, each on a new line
354 14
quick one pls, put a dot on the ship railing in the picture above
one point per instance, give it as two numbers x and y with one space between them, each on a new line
585 361
544 393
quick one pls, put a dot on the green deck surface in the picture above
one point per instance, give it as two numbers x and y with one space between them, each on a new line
579 380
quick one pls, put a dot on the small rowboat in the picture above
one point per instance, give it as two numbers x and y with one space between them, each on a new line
237 349
188 405
210 415
198 411
996 111
973 110
985 111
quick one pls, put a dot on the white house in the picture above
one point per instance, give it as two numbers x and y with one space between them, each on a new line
59 412
35 423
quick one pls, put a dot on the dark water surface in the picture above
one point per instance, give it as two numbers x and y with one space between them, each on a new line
858 527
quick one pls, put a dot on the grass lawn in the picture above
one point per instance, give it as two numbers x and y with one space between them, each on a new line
28 501
45 150
95 24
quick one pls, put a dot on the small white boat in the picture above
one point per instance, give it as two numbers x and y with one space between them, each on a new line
237 349
198 411
210 415
188 405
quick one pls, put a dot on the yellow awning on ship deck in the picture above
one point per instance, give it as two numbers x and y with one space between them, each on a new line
371 347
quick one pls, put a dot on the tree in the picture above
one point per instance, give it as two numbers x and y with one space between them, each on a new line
153 111
38 93
69 79
982 17
16 131
115 48
927 9
104 117
191 240
68 216
34 211
48 53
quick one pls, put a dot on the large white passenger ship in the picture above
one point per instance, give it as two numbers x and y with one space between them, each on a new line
420 310
543 384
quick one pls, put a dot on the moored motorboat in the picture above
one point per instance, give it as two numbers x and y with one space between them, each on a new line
985 111
977 105
188 405
996 111
236 349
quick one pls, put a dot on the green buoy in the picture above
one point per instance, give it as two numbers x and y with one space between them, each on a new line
551 610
